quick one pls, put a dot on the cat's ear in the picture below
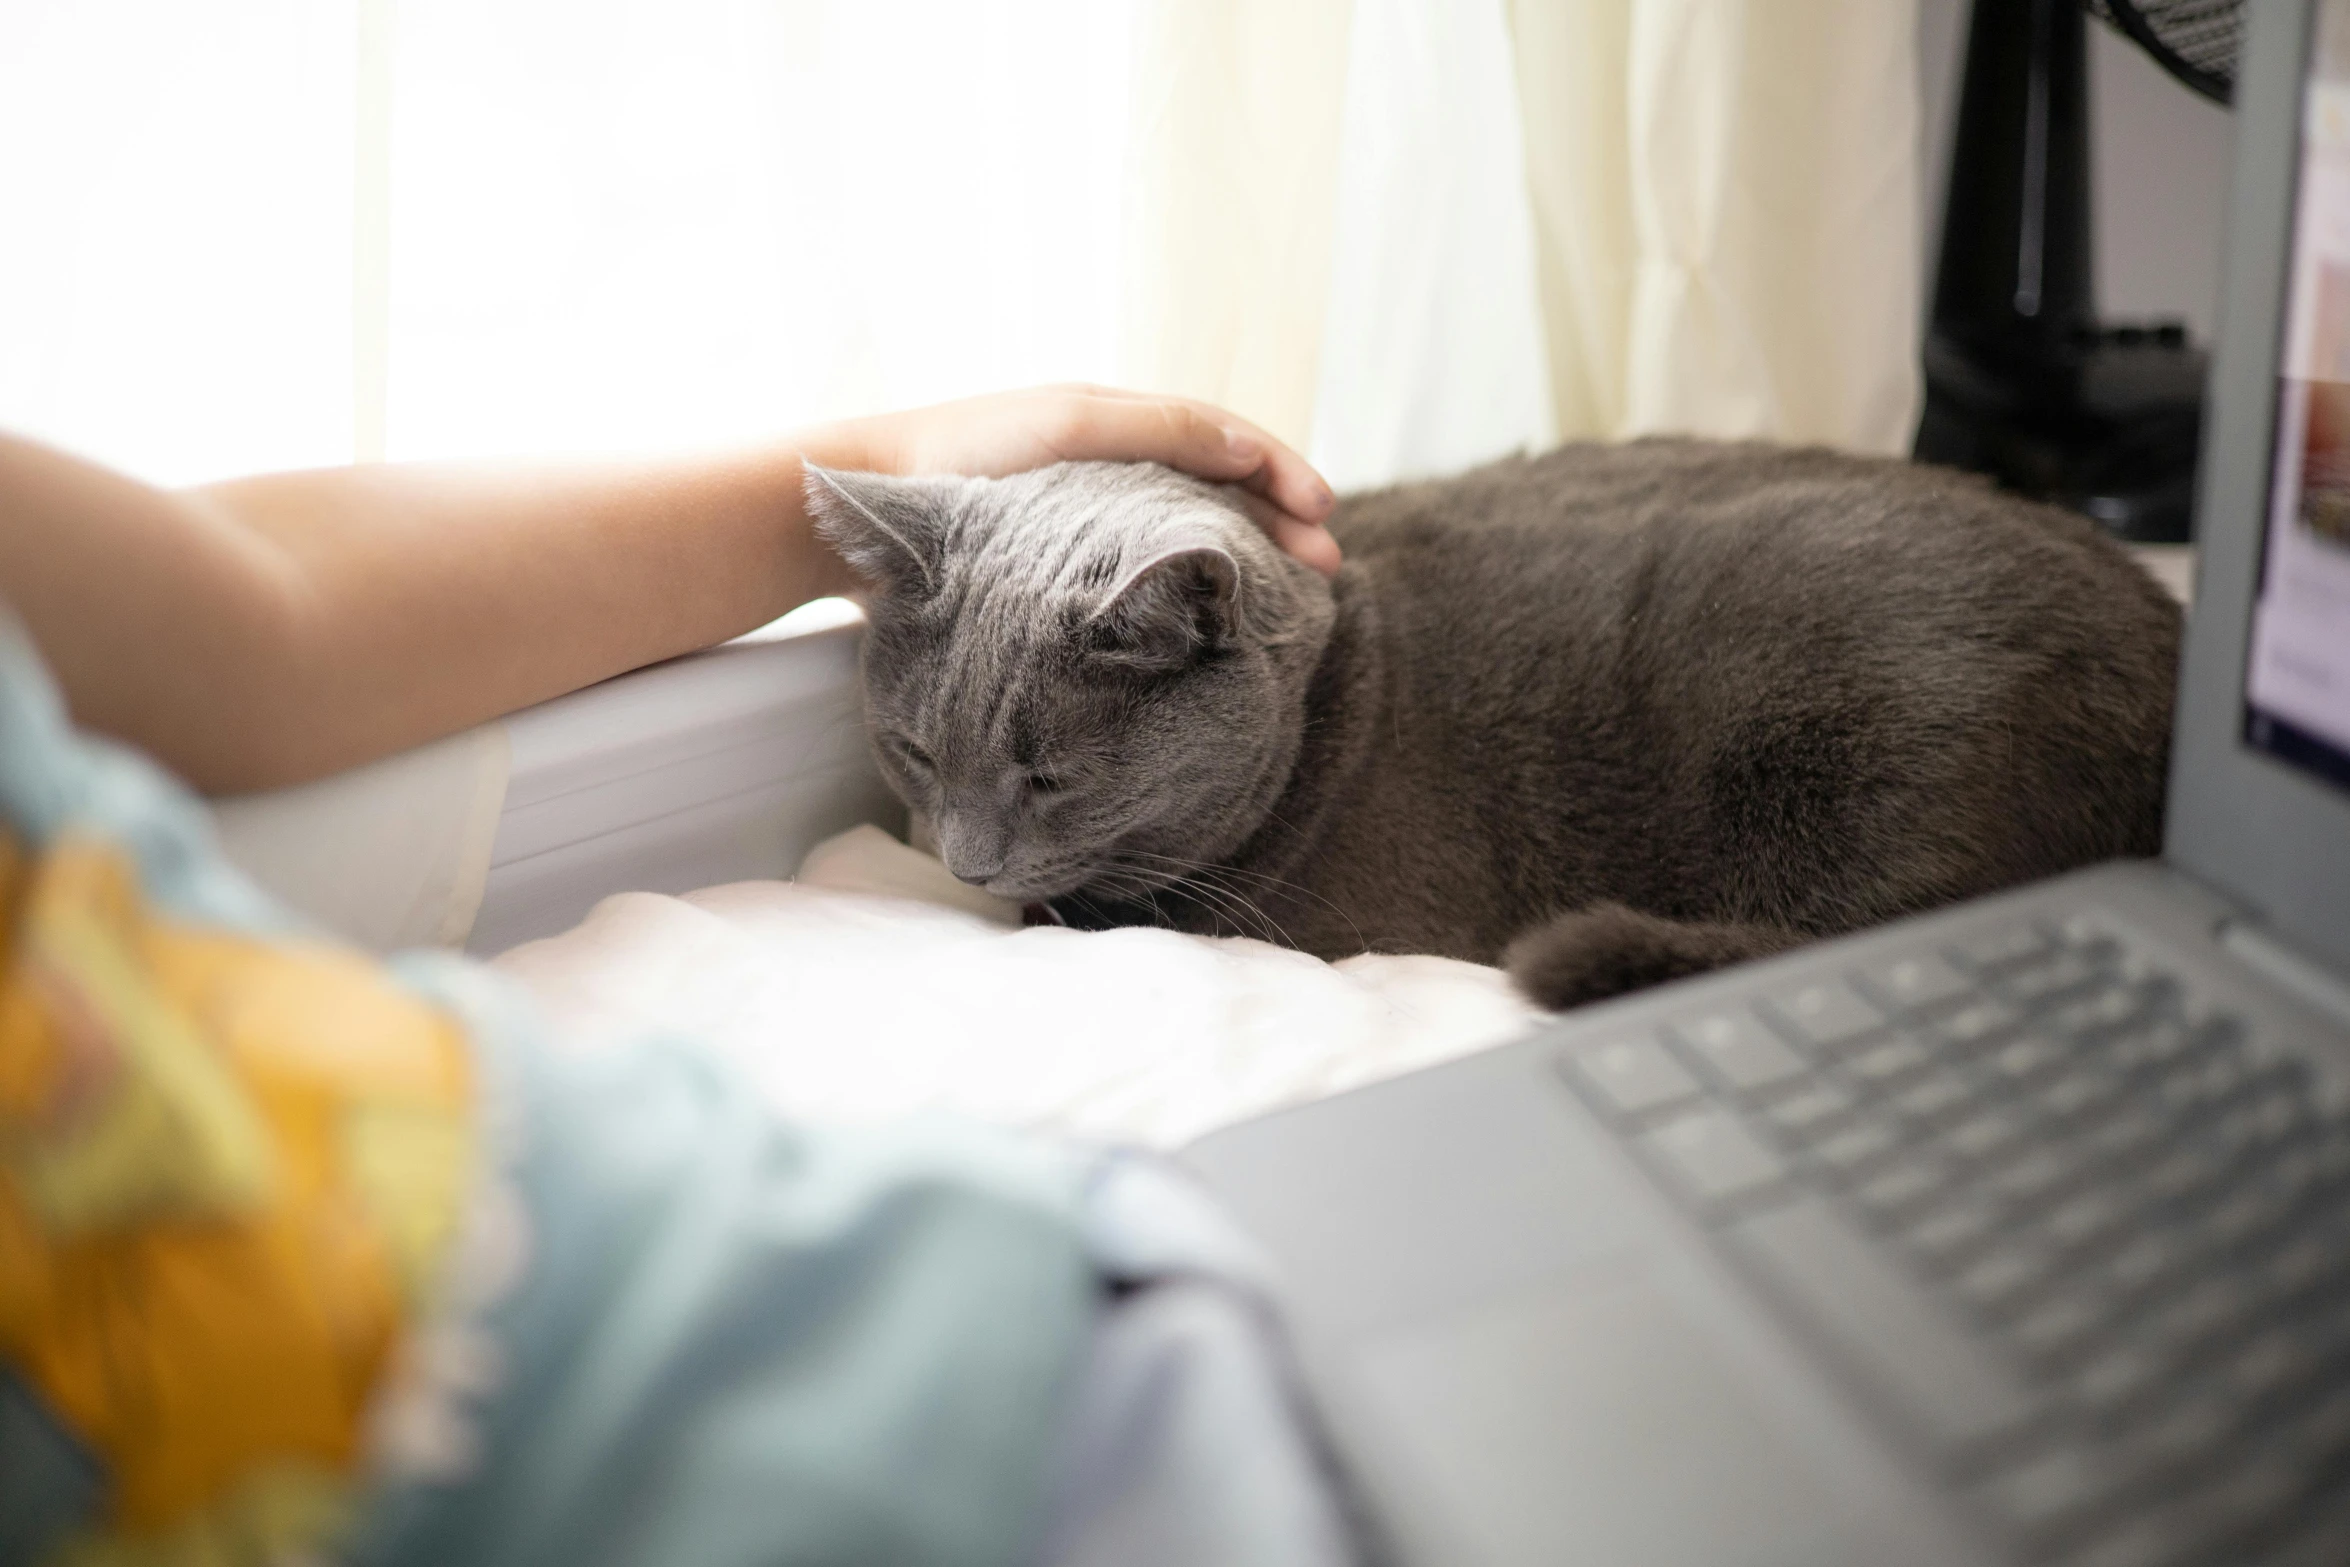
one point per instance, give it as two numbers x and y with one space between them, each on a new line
891 531
1171 610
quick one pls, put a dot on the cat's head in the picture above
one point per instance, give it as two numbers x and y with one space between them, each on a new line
1089 676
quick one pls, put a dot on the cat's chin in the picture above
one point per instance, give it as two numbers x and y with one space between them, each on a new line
1113 878
1104 886
1033 889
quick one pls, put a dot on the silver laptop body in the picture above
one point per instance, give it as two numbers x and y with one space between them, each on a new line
2018 1232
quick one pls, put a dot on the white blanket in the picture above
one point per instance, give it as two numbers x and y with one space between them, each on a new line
877 985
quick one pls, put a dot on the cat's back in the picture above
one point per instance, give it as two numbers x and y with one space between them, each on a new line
1661 658
1668 545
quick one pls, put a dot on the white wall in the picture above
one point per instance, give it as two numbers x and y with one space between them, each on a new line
2159 157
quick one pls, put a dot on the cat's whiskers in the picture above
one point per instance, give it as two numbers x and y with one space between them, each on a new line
1150 890
1126 882
1196 868
1225 902
1203 878
1256 924
1361 941
1201 875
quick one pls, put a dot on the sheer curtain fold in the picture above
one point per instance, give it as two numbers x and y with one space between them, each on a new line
1231 195
1544 218
1725 194
1432 358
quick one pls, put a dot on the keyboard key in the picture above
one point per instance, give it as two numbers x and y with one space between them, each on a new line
2117 1379
1983 1136
2186 1435
1739 1053
1629 1077
2101 1011
1931 1099
1915 984
2154 1538
1899 1189
1811 1112
2085 933
2143 1262
2276 1362
2206 1311
1949 1234
2085 1219
2316 1166
1880 1066
1949 1389
2132 1542
2302 1265
1841 1155
1977 1022
2029 1177
2044 981
2252 1496
2032 1055
2161 1042
2183 1175
2268 1118
2321 1433
2058 1329
2056 1494
1712 1159
2323 1541
2128 1133
1997 1282
1999 948
2165 1529
2077 1092
1827 1013
2246 1213
2202 1083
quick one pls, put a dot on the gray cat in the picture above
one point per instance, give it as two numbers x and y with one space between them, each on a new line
1625 713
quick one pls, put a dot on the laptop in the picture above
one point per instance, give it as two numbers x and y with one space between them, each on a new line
2016 1232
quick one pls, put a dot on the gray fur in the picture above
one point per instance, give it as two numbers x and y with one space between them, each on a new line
1643 709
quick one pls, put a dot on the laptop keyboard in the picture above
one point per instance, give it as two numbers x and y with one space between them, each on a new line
2088 1245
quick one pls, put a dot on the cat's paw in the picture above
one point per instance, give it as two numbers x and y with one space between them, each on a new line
1608 949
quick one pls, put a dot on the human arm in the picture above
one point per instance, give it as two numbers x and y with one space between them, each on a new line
263 631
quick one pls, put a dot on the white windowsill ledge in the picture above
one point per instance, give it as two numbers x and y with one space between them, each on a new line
721 766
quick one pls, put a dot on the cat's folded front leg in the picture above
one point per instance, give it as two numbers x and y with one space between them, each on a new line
1608 949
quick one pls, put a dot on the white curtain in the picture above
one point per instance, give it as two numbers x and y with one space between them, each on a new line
1434 356
1574 218
1231 194
1726 193
1408 233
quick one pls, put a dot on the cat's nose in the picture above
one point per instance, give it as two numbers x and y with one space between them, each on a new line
973 854
978 870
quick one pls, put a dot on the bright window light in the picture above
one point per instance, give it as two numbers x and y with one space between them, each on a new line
269 233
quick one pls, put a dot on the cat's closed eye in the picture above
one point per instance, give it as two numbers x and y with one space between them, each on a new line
912 754
1044 784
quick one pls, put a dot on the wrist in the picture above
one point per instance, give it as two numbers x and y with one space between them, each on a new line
874 444
850 445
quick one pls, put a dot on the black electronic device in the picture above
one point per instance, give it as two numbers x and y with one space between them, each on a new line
2024 381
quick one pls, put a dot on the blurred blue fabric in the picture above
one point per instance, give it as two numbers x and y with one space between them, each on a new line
730 1338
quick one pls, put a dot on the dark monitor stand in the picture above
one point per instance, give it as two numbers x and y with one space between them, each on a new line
2022 380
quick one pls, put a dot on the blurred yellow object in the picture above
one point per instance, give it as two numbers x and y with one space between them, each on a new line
227 1170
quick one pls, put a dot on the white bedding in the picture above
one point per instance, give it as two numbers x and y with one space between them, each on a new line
876 985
